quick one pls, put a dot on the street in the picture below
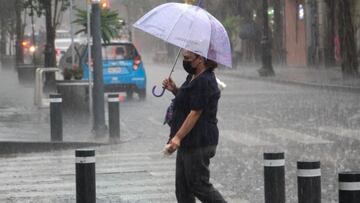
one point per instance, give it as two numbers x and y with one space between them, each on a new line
289 80
254 117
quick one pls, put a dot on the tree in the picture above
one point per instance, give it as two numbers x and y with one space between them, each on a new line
278 47
53 11
110 23
19 32
7 19
349 63
330 33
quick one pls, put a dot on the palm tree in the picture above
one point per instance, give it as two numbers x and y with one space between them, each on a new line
111 23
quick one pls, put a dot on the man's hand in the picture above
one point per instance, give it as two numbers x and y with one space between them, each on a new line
173 145
170 85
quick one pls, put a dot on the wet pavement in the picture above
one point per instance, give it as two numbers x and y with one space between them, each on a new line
255 116
321 77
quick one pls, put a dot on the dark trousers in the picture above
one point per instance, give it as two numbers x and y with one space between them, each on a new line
192 176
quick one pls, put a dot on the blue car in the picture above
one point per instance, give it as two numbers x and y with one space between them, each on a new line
123 69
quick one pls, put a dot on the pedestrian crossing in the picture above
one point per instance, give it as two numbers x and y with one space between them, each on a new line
244 138
120 177
282 136
342 132
133 177
282 133
278 136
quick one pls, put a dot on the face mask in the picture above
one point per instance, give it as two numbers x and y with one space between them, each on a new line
188 67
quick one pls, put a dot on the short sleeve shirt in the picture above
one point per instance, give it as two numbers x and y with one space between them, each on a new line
202 93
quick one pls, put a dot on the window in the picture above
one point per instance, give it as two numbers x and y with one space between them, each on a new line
301 12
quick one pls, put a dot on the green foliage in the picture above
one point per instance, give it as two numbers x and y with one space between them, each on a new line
34 6
38 6
81 19
110 23
75 72
7 16
232 25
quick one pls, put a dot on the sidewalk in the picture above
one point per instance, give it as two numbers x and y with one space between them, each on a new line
329 78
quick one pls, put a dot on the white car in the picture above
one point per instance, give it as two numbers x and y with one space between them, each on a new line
63 42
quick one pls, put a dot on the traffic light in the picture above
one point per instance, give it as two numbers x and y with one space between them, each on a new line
25 43
105 4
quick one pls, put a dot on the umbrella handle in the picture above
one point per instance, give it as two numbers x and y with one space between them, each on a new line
157 95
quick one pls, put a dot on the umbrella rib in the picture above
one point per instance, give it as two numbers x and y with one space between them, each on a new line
207 56
173 27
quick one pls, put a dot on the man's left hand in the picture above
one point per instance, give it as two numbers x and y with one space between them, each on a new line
173 145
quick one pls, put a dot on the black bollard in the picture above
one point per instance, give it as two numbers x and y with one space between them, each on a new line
349 187
85 176
56 126
309 182
274 177
114 117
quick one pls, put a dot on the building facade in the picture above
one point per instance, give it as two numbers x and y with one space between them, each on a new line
310 30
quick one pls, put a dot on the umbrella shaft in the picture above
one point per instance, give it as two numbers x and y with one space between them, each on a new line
176 59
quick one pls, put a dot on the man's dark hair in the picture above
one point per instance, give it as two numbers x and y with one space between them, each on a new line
210 64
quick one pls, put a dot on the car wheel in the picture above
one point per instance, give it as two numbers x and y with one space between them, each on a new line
129 94
142 94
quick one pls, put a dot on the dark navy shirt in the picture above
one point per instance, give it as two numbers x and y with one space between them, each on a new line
202 93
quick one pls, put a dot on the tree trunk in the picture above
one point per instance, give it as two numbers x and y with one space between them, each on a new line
330 34
19 32
278 32
3 37
12 33
349 63
50 60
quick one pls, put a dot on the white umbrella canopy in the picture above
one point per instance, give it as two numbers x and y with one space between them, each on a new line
188 27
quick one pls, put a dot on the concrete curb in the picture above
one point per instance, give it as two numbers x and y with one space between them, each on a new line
297 83
14 147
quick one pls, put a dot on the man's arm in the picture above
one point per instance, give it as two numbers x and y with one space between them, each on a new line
185 128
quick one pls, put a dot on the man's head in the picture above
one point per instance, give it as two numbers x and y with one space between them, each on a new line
196 60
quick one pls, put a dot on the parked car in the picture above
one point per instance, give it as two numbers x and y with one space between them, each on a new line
123 69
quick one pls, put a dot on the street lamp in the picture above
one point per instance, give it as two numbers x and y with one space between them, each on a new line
89 42
266 69
72 35
98 90
104 4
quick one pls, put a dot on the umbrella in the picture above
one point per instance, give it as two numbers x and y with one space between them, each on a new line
188 27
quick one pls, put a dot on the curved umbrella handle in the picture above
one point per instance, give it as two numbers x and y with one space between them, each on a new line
157 95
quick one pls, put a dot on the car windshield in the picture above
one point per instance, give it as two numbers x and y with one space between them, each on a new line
62 34
62 43
118 51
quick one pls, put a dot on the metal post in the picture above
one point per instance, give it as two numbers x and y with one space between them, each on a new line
85 176
114 118
309 182
274 177
88 7
72 35
349 187
98 93
266 69
56 127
